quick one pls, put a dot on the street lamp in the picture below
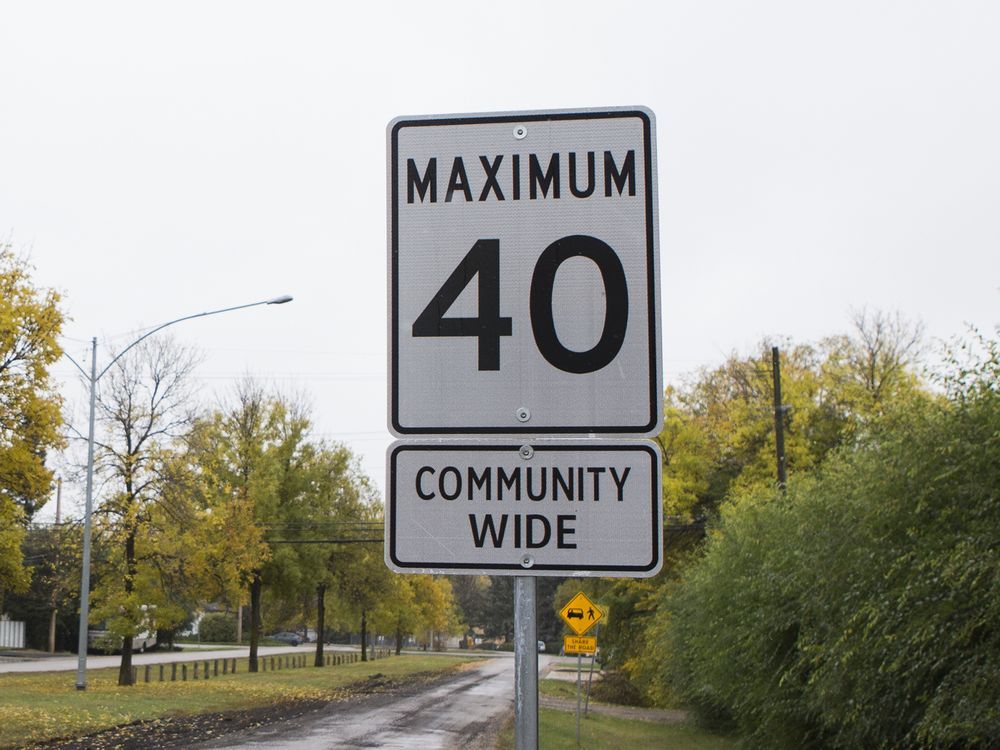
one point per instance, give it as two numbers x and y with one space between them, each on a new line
93 377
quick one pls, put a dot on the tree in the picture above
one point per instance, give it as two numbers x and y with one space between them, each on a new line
686 457
13 575
362 584
234 455
718 447
399 612
145 410
339 504
30 418
875 366
472 596
226 543
279 489
49 605
860 608
718 436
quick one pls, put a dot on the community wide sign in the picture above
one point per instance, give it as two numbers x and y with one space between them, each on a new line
582 508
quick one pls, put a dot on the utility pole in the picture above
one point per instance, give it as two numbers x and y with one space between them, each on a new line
57 571
779 422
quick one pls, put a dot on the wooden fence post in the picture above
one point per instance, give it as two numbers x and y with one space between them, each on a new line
184 672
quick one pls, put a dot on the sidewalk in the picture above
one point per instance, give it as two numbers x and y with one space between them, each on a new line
64 663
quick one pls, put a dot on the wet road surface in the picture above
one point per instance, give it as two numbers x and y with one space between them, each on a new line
461 712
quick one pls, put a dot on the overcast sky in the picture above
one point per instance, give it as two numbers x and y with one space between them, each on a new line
162 160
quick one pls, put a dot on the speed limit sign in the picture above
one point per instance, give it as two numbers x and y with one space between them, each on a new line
523 264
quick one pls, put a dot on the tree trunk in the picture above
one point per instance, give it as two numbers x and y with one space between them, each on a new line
255 587
399 635
52 631
320 622
125 668
364 635
239 624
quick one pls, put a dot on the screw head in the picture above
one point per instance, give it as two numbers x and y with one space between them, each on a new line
523 414
526 452
527 561
520 132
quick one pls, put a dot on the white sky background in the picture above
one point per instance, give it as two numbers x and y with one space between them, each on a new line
158 161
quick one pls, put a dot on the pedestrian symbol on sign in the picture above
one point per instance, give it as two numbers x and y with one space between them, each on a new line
581 614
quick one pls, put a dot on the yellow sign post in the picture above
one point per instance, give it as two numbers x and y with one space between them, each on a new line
581 614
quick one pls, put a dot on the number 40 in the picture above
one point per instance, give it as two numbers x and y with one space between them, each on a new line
488 326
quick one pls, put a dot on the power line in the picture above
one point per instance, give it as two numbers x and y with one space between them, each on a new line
324 541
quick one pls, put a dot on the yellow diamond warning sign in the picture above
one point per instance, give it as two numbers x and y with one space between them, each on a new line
581 614
579 644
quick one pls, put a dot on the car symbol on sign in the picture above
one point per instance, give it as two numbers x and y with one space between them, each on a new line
574 612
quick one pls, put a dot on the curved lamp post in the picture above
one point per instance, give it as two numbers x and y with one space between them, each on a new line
93 376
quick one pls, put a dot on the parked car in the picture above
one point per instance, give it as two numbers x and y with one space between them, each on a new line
292 639
101 640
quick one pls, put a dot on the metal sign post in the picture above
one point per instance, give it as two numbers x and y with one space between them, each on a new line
524 304
581 614
525 664
590 678
579 667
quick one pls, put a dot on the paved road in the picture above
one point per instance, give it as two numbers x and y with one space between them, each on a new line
459 713
69 663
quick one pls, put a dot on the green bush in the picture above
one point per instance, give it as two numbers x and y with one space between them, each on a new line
862 607
614 687
217 627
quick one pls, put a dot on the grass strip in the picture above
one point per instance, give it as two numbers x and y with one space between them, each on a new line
557 731
40 706
564 689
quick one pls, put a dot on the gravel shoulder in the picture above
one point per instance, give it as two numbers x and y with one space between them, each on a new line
220 728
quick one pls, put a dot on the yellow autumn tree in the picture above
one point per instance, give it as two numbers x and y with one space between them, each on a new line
30 410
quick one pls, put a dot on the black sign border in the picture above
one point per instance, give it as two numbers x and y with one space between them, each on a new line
654 402
647 570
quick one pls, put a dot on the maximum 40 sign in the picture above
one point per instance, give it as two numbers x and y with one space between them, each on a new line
524 285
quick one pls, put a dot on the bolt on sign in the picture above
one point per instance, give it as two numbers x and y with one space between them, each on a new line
581 508
579 644
523 268
581 614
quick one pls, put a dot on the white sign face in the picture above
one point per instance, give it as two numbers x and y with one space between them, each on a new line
571 508
524 283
